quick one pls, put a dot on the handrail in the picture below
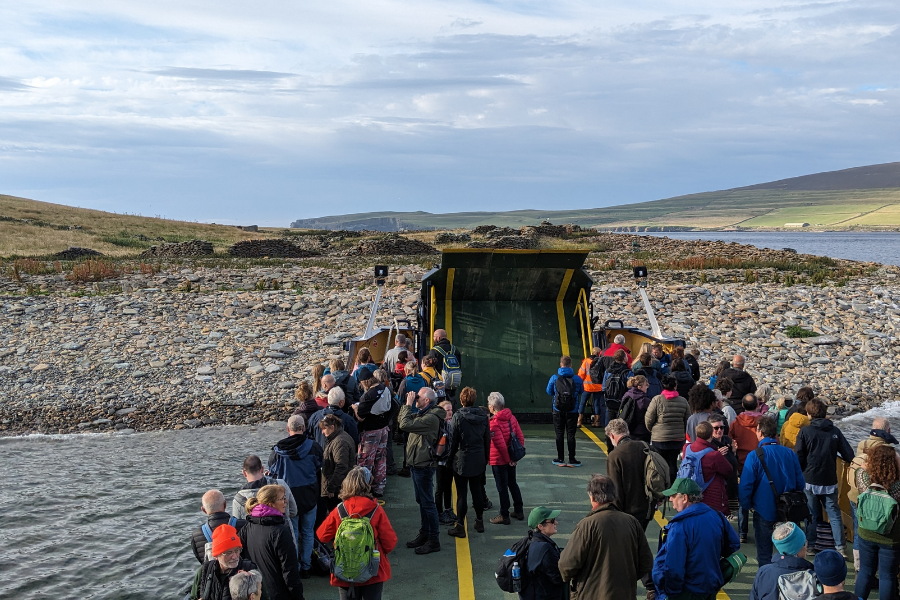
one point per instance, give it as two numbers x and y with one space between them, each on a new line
433 314
581 306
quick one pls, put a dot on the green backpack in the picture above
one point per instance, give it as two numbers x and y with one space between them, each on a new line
356 559
877 511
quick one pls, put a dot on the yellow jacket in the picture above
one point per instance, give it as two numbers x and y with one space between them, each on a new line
791 428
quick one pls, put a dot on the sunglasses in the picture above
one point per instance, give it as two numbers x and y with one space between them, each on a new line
549 522
719 428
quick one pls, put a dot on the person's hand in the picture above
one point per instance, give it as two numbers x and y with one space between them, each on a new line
734 446
723 450
512 463
330 495
410 398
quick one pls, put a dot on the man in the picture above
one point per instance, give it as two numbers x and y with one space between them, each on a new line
297 459
692 357
212 579
615 383
565 387
687 563
542 565
321 398
818 446
215 508
439 352
390 357
423 428
665 360
831 571
608 551
336 401
790 541
625 467
715 470
741 380
340 374
743 430
256 478
755 491
591 391
618 344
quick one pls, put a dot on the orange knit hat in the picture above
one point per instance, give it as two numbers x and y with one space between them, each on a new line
224 539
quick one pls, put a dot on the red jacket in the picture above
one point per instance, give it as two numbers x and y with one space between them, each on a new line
613 348
743 431
716 466
500 425
585 373
385 538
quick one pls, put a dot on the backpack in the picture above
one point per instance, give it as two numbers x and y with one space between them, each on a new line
799 585
692 469
518 553
876 510
565 399
440 451
627 411
595 371
655 388
322 557
515 448
656 474
451 373
384 402
356 558
615 384
207 533
439 388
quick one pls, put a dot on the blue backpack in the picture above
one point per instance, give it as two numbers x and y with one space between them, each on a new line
207 533
297 471
691 469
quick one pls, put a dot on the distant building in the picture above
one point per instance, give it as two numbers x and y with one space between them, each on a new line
796 225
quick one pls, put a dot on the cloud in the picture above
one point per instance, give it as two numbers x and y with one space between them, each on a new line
11 85
223 74
461 23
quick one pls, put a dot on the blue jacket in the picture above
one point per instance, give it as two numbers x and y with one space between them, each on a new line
688 560
298 460
579 386
765 586
755 491
347 421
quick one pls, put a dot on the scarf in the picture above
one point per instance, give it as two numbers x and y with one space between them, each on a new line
264 510
887 437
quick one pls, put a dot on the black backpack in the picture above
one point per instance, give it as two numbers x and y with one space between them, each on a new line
596 369
615 384
565 394
518 553
627 411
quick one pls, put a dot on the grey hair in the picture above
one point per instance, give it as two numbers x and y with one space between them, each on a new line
401 339
335 396
718 393
327 379
763 392
212 501
695 499
244 583
782 530
496 400
616 427
428 393
381 375
601 489
619 339
881 423
297 423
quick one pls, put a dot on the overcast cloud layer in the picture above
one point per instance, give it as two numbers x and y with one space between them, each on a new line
270 111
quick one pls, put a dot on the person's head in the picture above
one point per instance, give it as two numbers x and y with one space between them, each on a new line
724 385
601 490
619 339
789 540
467 397
363 357
226 547
749 403
640 382
701 398
356 483
596 351
213 501
694 351
616 430
679 364
296 425
495 402
317 372
763 393
831 570
273 496
784 402
409 369
543 519
425 397
881 423
678 352
327 383
369 383
565 361
816 409
252 468
303 392
336 364
400 341
668 382
401 357
723 364
336 397
766 427
448 409
801 407
645 359
428 361
737 362
246 585
330 424
657 350
619 356
882 467
719 425
646 348
683 493
439 334
703 430
381 376
805 394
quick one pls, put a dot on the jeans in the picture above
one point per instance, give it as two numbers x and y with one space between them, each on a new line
365 591
565 423
744 522
443 489
762 531
505 478
463 484
306 537
423 482
878 565
853 507
834 516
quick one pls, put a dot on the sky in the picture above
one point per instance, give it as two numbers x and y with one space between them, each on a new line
270 111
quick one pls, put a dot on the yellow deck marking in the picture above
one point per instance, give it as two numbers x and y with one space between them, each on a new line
448 302
560 315
433 316
658 517
464 563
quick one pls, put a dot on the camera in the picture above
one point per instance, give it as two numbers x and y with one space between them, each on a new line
381 273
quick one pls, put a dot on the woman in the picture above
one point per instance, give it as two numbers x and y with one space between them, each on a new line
879 554
356 499
443 474
650 368
246 585
666 419
723 364
469 455
413 382
318 371
637 390
701 399
793 425
783 406
429 373
542 563
727 448
339 457
684 381
763 394
645 358
269 542
374 429
306 398
502 423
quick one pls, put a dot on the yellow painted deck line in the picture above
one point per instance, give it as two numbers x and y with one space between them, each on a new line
658 517
560 315
464 562
448 304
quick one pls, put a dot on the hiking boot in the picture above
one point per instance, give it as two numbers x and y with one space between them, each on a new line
404 472
595 421
305 573
420 539
558 462
517 515
453 517
743 538
500 520
391 471
457 531
488 505
428 547
479 525
574 463
445 519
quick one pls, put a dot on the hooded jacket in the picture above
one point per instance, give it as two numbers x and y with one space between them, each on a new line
551 387
754 489
765 586
625 467
298 461
818 447
210 583
715 467
743 385
471 441
862 449
641 403
250 489
306 410
268 542
684 381
337 460
542 564
792 428
423 428
373 422
667 417
347 421
501 424
198 540
410 383
743 431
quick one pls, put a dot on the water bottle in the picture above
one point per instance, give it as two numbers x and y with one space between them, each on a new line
517 578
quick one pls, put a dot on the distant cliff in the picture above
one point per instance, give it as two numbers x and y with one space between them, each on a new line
357 223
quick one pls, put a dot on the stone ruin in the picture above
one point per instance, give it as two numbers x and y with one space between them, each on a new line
512 242
392 244
276 247
451 238
193 248
74 253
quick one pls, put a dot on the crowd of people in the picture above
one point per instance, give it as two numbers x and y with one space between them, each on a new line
722 452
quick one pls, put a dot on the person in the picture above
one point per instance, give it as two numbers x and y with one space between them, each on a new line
725 446
469 454
503 425
625 468
682 374
803 395
374 429
723 391
297 460
818 447
326 383
413 382
392 356
563 385
400 365
429 370
754 488
342 377
213 505
608 551
687 562
701 400
879 554
316 373
545 580
715 470
591 391
364 369
443 474
723 364
648 366
356 499
741 380
645 358
256 477
638 386
338 458
666 420
212 578
246 585
441 349
266 539
692 357
763 394
615 383
795 422
306 401
743 430
782 407
831 571
790 541
660 355
336 402
423 427
618 344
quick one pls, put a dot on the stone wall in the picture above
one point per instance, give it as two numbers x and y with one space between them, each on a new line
392 244
184 249
280 248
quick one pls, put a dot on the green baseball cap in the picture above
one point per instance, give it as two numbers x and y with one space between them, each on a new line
683 485
541 514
